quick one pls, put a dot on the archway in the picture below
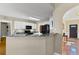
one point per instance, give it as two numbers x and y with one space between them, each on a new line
71 18
58 21
58 15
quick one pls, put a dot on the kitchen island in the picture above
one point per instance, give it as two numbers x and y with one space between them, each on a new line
29 45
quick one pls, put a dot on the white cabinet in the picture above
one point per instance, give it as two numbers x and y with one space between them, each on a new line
22 25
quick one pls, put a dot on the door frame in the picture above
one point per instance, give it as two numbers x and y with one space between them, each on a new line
76 30
8 24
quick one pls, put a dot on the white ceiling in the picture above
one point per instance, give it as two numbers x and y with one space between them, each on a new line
41 11
72 14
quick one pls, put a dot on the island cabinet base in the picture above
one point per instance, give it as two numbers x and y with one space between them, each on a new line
28 46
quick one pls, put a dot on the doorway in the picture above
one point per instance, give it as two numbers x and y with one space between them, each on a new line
4 29
73 30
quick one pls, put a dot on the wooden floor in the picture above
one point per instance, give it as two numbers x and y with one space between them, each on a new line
3 46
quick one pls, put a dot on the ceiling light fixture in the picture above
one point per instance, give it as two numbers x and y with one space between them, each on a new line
35 19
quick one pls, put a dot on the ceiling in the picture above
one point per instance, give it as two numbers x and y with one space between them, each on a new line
72 14
42 11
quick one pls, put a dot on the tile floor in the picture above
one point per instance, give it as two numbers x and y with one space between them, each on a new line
71 47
